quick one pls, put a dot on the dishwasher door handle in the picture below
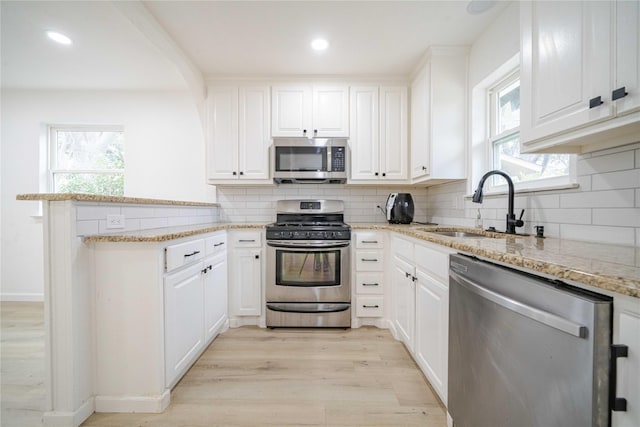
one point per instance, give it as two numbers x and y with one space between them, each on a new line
541 316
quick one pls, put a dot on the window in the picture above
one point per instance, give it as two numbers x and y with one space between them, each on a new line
536 170
86 159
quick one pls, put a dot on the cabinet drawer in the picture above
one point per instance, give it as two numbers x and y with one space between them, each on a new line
247 239
369 306
184 254
369 283
370 260
433 261
216 243
369 239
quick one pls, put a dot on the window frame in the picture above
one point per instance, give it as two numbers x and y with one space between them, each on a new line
52 169
493 138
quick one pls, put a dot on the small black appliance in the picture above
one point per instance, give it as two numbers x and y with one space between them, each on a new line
400 208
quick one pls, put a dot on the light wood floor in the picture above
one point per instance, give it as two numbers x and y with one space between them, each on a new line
253 377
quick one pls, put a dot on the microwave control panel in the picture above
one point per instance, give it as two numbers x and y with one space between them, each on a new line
338 159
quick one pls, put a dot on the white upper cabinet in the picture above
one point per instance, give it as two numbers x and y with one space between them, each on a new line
438 116
238 134
378 133
311 111
578 61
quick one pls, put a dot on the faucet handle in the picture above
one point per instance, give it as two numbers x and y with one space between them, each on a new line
519 221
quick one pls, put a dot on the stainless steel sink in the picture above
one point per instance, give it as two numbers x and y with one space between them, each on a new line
459 234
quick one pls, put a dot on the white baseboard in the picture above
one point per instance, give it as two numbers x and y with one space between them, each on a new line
69 419
130 404
19 297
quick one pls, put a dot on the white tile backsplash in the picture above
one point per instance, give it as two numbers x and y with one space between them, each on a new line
605 207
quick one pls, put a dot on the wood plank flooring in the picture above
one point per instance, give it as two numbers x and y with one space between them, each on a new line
254 377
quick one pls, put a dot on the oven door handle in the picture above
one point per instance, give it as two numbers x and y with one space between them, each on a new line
308 244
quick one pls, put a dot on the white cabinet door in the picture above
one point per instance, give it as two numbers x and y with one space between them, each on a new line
627 56
626 330
222 129
565 54
246 282
432 331
364 129
184 320
215 295
331 111
393 133
420 123
291 111
254 133
403 301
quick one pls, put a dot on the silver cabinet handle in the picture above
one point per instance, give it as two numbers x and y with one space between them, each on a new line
370 284
369 259
370 306
369 241
538 315
246 240
218 244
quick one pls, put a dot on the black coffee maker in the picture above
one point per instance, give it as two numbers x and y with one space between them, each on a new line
400 208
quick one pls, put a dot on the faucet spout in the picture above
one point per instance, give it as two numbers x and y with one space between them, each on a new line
512 222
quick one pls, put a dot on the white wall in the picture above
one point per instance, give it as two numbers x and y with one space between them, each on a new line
164 156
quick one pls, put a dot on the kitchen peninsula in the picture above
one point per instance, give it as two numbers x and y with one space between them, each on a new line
74 292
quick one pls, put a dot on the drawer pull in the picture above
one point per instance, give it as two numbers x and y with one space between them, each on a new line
191 254
369 259
370 306
619 93
370 284
595 102
215 245
369 241
247 240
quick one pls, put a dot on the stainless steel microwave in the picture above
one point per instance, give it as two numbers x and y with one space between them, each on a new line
310 160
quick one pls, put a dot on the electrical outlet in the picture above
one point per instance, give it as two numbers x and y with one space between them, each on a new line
115 221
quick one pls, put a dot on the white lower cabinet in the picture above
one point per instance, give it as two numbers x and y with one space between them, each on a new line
626 331
420 294
245 276
369 276
157 305
183 320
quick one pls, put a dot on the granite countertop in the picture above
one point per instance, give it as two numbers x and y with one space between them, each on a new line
611 267
78 197
166 233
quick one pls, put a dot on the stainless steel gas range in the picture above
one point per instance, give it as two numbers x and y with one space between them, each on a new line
308 274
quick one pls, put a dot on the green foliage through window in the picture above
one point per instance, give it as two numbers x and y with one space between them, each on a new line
87 161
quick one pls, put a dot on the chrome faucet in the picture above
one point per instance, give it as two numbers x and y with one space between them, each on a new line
512 222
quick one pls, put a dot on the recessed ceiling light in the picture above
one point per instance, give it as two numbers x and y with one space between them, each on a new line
319 44
476 7
59 37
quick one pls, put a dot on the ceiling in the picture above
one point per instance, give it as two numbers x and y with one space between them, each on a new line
221 38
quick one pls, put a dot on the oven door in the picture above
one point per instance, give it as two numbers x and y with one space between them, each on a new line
308 271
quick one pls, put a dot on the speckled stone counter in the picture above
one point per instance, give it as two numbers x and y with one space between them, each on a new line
610 267
52 197
167 233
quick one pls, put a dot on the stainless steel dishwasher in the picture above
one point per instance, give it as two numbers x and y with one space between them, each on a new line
525 351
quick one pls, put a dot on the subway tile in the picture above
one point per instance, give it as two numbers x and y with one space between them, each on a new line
638 159
137 212
584 182
147 223
607 163
546 201
616 180
175 221
618 217
564 216
96 212
604 199
603 234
